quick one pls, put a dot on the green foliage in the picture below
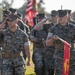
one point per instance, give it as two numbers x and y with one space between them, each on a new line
22 10
5 5
40 8
0 13
73 15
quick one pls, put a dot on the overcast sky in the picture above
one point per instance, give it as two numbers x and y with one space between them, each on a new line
50 4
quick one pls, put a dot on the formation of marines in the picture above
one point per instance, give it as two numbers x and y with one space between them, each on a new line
48 50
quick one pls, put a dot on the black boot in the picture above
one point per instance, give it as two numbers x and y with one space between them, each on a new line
51 72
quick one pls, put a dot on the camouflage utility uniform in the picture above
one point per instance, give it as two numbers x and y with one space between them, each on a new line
39 49
14 42
48 56
67 33
26 29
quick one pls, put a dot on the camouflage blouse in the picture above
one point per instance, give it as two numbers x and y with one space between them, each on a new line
14 41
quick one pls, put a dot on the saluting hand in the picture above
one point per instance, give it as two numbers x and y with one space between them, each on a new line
55 37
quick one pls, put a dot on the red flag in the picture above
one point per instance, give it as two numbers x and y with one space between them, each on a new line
30 12
66 59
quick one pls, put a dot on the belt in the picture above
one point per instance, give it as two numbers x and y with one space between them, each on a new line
39 45
11 55
59 46
0 54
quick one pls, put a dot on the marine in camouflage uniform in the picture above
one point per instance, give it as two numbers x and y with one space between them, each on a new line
38 36
15 40
23 27
66 31
4 16
49 59
69 17
21 24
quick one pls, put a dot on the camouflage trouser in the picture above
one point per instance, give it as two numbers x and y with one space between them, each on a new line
49 61
59 64
72 63
1 60
0 66
13 66
38 59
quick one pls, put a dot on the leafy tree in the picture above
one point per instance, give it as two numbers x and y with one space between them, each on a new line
40 8
73 15
0 13
5 5
22 10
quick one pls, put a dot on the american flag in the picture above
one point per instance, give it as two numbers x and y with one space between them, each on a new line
31 12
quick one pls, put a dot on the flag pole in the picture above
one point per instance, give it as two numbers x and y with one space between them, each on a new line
61 7
63 41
